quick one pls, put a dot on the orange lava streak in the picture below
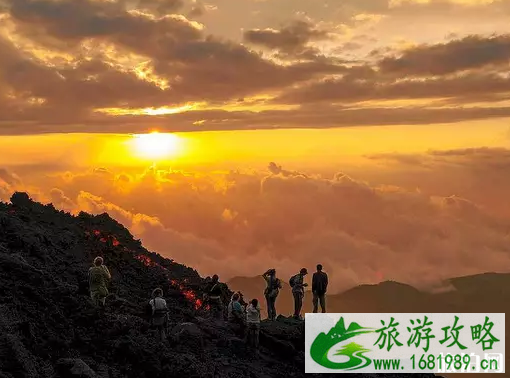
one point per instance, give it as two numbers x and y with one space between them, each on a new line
189 294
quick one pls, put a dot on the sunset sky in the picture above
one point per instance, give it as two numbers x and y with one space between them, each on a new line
370 134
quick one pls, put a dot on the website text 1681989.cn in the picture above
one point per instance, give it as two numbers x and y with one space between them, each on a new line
447 363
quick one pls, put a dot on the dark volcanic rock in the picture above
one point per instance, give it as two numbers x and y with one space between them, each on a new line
188 334
74 367
48 327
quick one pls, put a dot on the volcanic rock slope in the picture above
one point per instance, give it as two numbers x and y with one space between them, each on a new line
48 327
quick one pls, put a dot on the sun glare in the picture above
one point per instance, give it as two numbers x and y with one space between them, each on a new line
156 145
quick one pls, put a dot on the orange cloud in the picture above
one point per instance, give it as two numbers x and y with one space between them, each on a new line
236 223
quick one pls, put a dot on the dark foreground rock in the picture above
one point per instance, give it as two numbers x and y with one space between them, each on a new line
49 329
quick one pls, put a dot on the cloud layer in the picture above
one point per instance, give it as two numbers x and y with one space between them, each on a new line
236 223
119 66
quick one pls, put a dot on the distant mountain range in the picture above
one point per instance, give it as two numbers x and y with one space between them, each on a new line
487 292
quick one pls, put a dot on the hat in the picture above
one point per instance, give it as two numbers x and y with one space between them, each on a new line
303 271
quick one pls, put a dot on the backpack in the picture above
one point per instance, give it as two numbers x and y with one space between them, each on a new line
292 280
96 277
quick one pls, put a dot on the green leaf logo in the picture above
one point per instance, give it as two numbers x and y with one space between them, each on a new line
324 342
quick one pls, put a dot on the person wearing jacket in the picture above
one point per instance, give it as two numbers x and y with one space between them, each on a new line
319 288
99 275
253 323
273 286
235 313
298 291
159 313
214 292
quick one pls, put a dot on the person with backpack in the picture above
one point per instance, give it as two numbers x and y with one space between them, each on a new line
319 288
99 275
159 317
253 323
271 292
298 291
213 295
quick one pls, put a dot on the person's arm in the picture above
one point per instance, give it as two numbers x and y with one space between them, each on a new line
325 281
314 282
237 310
152 303
108 275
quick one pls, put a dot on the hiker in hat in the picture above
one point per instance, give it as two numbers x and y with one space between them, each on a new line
159 317
298 291
99 275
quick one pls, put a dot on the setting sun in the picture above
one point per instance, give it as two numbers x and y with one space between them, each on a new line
156 145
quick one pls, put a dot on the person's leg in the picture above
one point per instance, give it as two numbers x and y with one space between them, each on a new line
297 309
248 335
300 304
93 296
269 309
323 303
273 306
163 330
243 327
218 310
315 301
159 333
256 336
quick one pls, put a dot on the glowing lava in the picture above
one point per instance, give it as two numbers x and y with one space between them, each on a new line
189 294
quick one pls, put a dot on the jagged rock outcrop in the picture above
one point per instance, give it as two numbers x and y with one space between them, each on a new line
49 329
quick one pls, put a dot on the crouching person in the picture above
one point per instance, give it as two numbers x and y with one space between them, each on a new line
159 313
253 323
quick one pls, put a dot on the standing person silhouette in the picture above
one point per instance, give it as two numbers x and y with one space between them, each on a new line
298 291
319 288
271 292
